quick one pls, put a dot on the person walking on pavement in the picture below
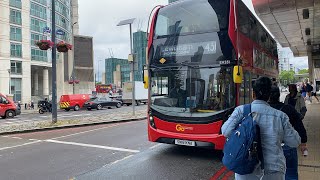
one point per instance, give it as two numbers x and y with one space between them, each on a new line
275 129
32 105
309 89
295 99
303 90
295 119
314 91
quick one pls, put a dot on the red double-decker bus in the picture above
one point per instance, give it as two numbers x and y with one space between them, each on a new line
203 56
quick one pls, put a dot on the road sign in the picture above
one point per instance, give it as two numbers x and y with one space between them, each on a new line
60 32
46 30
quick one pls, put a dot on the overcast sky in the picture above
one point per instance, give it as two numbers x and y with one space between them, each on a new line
99 19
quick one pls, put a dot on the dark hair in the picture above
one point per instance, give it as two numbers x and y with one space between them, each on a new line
275 94
262 88
293 87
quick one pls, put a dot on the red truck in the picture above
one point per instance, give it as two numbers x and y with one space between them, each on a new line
8 108
73 101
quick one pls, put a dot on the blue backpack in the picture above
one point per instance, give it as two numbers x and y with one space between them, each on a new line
242 150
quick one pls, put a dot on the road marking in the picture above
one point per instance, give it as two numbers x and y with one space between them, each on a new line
92 145
152 147
127 157
16 137
218 173
86 131
25 144
227 175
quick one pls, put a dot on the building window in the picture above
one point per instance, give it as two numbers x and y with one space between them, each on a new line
38 55
15 3
15 16
43 2
61 8
16 89
15 34
16 67
37 25
16 50
36 37
61 21
38 11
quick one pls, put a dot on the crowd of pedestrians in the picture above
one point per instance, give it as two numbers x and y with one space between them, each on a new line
281 129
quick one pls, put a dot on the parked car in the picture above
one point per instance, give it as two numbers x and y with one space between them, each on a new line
73 101
8 109
99 103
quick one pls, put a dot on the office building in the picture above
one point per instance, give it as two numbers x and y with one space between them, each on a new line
139 49
117 71
25 70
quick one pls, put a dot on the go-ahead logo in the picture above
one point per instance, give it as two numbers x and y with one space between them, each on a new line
181 128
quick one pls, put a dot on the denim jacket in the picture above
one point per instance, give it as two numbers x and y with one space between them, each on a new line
275 129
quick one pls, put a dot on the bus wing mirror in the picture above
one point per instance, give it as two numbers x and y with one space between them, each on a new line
237 74
145 77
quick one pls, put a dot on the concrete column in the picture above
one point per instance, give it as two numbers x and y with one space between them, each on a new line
36 83
45 82
311 67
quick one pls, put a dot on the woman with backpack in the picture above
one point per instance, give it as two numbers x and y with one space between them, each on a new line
275 129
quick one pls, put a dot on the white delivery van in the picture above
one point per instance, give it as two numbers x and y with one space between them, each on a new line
141 94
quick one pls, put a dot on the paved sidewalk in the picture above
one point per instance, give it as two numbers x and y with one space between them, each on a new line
28 125
29 111
309 167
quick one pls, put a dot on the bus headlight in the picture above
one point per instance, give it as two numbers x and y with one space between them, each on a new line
151 121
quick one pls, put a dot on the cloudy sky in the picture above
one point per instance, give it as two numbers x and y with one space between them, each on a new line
99 19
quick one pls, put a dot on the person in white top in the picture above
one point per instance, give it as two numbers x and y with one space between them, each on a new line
314 91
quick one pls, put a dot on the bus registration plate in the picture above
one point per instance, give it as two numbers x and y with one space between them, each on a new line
184 142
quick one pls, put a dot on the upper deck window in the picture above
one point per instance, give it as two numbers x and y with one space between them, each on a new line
189 17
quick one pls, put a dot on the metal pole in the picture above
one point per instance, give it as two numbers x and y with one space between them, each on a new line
54 64
9 71
133 83
73 88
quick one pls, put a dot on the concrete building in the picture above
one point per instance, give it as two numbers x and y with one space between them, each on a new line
117 71
139 49
284 59
25 70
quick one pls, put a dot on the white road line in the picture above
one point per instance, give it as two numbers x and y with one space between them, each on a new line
86 131
92 145
25 144
127 157
152 147
16 137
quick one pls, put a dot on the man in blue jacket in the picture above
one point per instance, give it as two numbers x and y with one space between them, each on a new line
275 129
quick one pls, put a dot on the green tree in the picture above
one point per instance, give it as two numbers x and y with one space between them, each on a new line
303 71
286 77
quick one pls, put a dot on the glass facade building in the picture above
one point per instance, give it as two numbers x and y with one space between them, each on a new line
114 65
139 49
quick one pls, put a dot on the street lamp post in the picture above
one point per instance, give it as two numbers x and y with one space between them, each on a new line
9 71
121 23
73 74
54 64
99 71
